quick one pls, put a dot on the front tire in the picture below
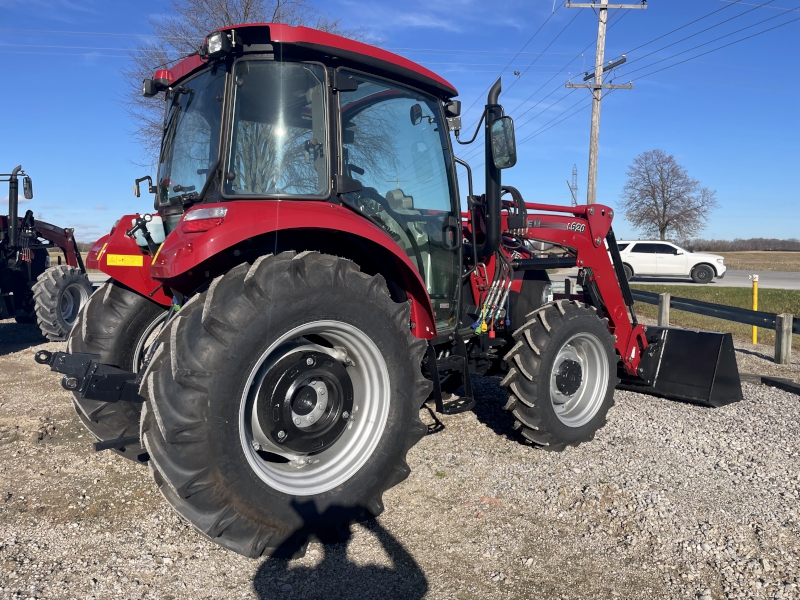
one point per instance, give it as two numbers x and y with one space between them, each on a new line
239 375
562 375
59 294
702 274
117 324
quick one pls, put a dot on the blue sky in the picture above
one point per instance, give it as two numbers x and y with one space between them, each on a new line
729 117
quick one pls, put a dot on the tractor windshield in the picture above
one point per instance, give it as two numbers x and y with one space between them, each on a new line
191 138
279 133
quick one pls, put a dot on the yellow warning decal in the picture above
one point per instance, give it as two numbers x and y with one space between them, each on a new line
158 252
102 251
124 260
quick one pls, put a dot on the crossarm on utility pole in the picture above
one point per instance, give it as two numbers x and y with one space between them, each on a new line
604 86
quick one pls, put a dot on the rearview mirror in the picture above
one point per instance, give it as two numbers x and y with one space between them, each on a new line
27 187
504 147
415 114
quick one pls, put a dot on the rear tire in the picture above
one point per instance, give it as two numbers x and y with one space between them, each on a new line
116 324
702 274
562 375
231 395
59 294
628 272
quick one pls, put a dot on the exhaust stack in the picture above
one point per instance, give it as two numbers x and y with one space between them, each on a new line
13 206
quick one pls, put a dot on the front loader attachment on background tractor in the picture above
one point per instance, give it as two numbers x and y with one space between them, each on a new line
681 364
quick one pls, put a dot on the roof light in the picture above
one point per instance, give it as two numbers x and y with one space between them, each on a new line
203 219
217 44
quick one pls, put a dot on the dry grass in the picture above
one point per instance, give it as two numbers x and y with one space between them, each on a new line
762 261
774 301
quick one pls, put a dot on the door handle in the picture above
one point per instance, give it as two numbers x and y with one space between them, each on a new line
451 234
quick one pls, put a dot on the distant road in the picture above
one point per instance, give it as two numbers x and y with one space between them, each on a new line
776 280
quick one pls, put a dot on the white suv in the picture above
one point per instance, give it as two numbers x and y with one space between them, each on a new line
656 258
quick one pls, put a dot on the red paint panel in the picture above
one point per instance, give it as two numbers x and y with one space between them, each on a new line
136 278
244 219
304 35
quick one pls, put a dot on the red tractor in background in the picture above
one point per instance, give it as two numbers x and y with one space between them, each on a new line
309 280
30 289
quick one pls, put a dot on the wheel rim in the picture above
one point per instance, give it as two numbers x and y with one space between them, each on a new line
361 413
72 299
579 379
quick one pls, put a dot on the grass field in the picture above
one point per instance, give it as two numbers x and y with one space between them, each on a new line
774 301
762 261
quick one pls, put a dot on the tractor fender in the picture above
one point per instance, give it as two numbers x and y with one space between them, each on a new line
181 251
118 256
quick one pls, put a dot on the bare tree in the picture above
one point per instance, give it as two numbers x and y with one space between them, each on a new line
661 199
182 32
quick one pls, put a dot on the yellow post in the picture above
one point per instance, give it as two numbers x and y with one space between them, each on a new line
755 305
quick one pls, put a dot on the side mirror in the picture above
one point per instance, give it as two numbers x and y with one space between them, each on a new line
504 147
415 114
27 187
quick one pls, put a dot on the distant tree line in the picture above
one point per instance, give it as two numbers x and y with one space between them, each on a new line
740 245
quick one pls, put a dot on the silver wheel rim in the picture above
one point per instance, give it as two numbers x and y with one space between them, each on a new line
305 475
146 339
578 408
72 299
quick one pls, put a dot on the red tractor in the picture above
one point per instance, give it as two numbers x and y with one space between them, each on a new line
30 289
309 280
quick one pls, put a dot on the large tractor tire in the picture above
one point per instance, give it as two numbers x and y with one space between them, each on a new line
282 402
117 323
562 375
59 294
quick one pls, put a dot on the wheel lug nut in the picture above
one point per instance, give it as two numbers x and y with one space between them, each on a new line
297 421
345 415
322 392
310 418
281 435
310 361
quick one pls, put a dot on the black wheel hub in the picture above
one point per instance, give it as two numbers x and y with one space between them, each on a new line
305 402
568 379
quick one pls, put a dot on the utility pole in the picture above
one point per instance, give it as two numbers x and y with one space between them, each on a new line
597 87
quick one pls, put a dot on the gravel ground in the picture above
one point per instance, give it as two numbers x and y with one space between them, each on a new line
669 501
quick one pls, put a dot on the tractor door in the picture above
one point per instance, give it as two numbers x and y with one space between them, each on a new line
395 144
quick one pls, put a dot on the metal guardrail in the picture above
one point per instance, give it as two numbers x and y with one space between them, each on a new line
720 311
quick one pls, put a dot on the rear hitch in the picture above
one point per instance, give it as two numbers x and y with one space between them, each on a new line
90 379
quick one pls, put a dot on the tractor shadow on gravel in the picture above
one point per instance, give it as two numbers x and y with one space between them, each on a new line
336 576
15 337
489 401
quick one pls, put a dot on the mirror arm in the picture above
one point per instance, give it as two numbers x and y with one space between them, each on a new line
477 129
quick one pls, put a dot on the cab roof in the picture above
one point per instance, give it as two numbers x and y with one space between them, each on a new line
312 44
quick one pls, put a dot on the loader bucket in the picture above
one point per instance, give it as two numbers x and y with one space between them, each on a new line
695 366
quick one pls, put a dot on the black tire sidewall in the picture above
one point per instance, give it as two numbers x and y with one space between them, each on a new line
628 272
582 323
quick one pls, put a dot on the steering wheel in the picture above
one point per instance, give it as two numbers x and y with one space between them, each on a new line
372 194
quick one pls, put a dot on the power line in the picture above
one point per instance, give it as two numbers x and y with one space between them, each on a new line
530 39
708 51
713 12
771 7
707 29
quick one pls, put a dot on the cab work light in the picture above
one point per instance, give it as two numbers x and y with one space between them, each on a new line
203 219
217 44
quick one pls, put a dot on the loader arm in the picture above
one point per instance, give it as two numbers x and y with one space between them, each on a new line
583 231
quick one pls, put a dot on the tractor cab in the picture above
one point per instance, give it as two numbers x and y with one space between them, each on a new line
275 113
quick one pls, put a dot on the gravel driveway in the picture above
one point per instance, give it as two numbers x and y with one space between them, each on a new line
669 501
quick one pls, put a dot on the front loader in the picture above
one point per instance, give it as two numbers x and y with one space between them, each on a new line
309 280
31 289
